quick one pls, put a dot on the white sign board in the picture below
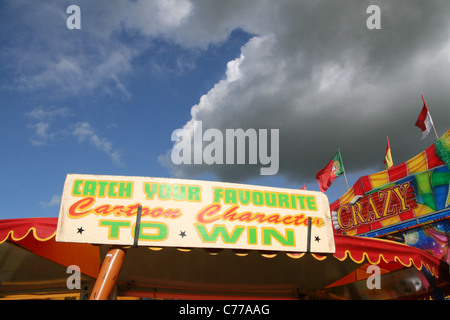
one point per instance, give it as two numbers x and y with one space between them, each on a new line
192 214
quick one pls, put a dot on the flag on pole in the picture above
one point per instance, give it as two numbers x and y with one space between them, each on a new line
304 187
424 121
331 171
388 163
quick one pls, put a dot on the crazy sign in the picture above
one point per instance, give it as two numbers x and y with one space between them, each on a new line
189 213
376 209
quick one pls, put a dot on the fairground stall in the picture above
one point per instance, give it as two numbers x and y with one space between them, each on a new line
35 266
151 238
408 203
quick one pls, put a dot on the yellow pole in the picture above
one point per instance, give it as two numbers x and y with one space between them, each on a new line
108 274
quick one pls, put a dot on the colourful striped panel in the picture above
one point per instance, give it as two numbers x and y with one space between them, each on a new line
379 179
432 158
389 221
418 163
398 172
348 196
366 184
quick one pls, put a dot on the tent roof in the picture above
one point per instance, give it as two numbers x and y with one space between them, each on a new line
31 261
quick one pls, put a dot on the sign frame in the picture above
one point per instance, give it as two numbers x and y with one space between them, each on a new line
103 209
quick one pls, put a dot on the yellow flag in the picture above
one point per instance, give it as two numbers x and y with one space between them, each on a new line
388 163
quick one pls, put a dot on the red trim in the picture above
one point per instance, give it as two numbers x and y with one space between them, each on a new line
432 158
16 229
379 250
356 248
398 172
25 232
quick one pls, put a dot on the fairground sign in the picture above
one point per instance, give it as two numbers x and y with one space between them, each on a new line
379 207
190 214
395 199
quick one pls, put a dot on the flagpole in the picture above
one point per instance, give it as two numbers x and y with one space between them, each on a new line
346 182
345 176
432 122
437 138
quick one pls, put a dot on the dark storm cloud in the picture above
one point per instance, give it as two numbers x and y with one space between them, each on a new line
319 75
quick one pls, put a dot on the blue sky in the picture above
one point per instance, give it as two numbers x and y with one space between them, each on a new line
106 98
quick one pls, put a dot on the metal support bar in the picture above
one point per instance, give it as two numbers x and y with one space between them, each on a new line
108 274
137 229
308 240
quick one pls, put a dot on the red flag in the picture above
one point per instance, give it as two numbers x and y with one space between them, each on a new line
304 187
424 122
331 171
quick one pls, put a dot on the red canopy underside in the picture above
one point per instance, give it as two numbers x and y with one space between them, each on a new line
202 271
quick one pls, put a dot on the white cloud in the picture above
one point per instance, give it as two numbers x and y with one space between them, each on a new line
49 125
43 119
42 112
233 72
54 201
42 134
67 62
157 17
83 131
